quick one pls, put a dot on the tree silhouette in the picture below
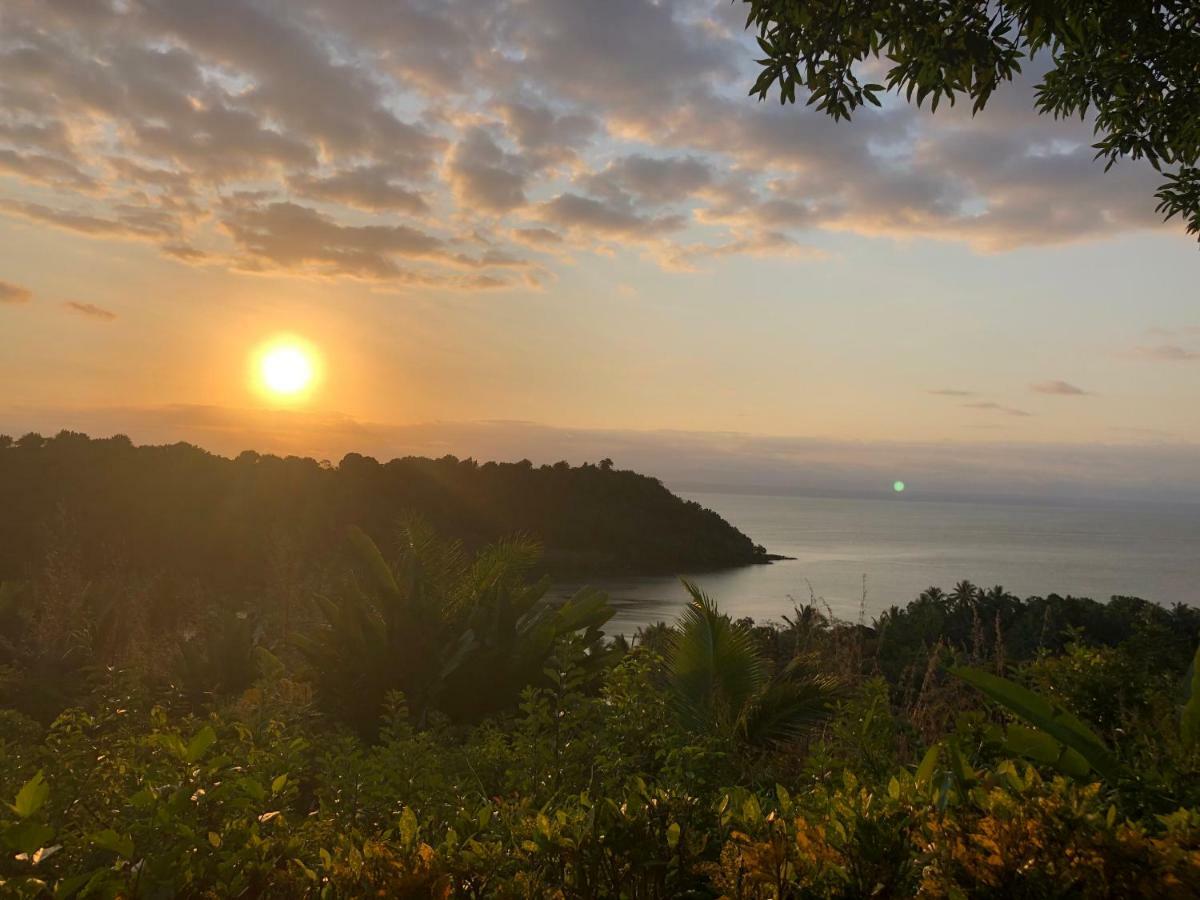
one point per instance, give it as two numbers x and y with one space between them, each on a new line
1133 63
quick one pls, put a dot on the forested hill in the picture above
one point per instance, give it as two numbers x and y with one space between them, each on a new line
179 510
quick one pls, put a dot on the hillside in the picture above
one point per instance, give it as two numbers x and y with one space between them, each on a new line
181 511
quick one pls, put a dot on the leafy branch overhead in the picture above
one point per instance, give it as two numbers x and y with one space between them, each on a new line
1134 65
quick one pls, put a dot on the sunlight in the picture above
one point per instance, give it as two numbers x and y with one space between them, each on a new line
286 368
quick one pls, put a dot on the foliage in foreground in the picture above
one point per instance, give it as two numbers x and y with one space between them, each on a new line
572 795
428 725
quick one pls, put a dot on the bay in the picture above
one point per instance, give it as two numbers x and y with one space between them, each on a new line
860 556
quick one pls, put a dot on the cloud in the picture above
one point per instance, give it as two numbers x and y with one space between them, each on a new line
588 214
289 236
952 392
548 138
623 122
759 243
362 187
484 176
14 293
42 169
1168 353
656 180
1059 388
128 222
90 310
537 237
996 407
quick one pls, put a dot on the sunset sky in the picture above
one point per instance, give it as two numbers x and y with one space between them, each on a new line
570 215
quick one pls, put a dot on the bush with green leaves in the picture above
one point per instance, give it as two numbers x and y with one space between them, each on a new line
731 765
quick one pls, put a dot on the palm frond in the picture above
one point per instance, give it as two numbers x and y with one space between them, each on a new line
715 668
379 573
795 703
504 560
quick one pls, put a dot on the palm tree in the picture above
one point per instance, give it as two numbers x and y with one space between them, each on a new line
933 595
655 637
721 686
447 631
964 594
806 622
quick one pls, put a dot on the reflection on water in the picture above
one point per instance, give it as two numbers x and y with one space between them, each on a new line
903 546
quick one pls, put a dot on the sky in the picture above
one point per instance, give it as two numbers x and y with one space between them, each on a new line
561 229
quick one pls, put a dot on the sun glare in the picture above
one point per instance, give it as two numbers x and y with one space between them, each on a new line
286 368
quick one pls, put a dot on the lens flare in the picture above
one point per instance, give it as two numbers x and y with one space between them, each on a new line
898 487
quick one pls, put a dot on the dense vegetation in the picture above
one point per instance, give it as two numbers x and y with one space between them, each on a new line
415 720
180 513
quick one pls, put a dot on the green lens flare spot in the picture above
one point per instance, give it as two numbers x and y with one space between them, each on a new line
898 487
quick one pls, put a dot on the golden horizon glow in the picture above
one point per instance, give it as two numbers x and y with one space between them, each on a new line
286 369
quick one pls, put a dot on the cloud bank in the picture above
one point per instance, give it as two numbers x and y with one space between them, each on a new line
466 144
1164 471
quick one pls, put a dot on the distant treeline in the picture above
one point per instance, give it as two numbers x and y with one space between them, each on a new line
180 511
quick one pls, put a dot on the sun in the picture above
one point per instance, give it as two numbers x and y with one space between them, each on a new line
286 368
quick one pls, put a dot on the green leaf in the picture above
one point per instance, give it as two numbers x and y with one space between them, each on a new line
143 798
1039 746
408 827
122 845
27 837
893 789
67 887
751 811
928 766
199 744
252 788
172 743
1041 713
31 797
279 783
673 835
785 799
369 555
961 768
1189 721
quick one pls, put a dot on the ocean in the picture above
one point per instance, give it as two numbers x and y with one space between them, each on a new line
862 556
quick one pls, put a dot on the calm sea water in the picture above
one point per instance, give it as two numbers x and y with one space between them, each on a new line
903 546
